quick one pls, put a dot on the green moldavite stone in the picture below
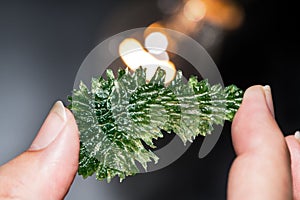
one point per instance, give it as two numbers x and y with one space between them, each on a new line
117 115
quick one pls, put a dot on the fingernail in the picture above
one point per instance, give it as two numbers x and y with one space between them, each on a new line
60 110
52 126
297 135
269 99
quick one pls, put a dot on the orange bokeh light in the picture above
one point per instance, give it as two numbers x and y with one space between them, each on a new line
194 10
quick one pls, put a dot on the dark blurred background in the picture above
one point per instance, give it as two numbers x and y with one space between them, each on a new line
42 45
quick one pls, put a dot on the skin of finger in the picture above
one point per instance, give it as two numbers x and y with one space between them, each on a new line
262 167
43 174
294 148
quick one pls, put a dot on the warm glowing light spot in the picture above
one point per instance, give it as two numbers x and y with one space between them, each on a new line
134 55
194 10
226 14
156 43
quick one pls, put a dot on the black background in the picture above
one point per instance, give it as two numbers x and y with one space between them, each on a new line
42 45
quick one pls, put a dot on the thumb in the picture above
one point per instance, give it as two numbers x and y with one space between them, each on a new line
262 167
293 143
47 169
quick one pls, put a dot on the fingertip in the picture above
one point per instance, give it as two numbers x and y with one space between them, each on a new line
49 170
293 139
251 96
60 159
254 91
68 141
294 147
51 128
253 122
262 166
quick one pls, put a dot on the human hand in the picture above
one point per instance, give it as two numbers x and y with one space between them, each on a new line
267 164
47 169
262 169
